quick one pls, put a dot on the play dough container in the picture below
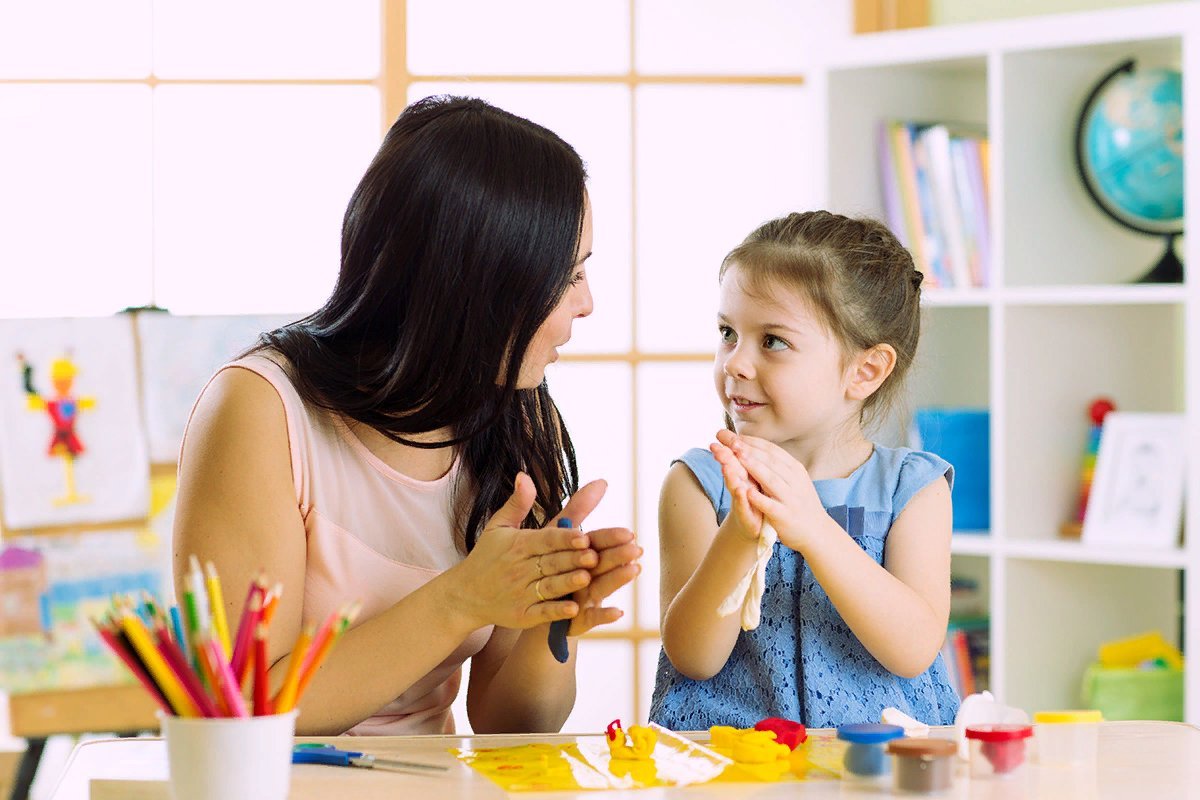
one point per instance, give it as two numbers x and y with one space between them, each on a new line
1067 738
997 751
923 766
865 760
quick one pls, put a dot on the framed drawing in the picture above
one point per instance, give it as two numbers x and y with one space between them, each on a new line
1137 492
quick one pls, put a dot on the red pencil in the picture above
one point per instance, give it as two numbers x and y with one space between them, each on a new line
134 664
262 689
242 650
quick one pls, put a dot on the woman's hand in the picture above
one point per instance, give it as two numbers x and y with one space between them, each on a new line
784 494
513 576
616 564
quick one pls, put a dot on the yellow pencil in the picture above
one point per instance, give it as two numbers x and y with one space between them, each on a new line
162 673
217 601
285 699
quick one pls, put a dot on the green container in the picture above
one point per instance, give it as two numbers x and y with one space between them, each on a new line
1131 693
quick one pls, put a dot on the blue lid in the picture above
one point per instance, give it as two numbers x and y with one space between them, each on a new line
869 733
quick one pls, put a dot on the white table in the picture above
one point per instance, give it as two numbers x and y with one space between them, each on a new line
1137 760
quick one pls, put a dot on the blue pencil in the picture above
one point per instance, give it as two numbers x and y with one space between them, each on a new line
177 627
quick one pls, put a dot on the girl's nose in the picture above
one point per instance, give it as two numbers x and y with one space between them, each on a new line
739 365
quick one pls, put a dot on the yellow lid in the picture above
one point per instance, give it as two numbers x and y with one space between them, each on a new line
1051 717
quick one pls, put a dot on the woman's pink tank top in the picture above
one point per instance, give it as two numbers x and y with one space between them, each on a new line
374 535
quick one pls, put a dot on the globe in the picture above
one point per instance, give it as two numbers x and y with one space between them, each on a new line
1129 151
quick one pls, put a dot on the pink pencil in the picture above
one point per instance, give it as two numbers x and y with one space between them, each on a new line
227 683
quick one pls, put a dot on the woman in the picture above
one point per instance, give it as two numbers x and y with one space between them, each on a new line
400 446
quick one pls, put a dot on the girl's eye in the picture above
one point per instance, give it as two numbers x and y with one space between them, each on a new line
774 343
727 334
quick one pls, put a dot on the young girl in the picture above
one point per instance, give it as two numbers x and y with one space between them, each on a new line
819 319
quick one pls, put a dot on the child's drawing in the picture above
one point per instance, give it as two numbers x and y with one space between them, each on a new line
72 447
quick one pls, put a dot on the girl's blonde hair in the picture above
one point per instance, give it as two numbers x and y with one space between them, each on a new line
856 275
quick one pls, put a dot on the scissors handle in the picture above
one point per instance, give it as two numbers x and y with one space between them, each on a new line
328 756
558 629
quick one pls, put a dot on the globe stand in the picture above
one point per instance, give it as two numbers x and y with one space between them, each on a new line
1169 268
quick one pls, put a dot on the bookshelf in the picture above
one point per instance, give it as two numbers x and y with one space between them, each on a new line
1058 324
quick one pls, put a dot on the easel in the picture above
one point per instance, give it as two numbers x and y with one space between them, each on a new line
124 710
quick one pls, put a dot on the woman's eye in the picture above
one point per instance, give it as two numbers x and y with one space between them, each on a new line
774 343
577 278
727 334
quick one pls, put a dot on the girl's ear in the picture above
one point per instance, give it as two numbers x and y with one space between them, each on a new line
870 369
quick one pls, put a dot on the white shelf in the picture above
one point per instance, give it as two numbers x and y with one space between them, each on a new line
966 543
959 46
957 298
1082 553
1061 323
1138 294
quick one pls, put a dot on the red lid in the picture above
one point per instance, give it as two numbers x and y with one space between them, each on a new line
999 733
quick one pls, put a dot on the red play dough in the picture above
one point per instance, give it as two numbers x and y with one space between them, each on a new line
786 731
1004 756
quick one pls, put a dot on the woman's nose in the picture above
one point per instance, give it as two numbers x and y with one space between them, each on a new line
585 305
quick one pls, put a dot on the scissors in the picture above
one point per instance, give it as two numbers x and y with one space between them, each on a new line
316 753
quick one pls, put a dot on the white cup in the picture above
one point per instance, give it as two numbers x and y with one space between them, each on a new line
229 757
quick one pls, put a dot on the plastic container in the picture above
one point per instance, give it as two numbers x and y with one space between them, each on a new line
227 757
865 760
923 766
1067 738
1132 693
997 751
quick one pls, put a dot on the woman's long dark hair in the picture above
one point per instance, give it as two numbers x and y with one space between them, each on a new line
457 244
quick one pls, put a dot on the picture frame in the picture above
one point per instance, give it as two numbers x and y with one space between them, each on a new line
1136 497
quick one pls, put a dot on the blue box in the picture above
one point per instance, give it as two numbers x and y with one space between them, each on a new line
961 436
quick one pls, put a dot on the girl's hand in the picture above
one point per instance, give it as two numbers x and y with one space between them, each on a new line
514 577
616 565
785 494
744 517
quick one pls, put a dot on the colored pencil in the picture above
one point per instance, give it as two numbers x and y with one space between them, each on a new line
245 630
217 599
324 633
262 688
191 621
177 628
191 683
133 663
271 603
209 674
162 674
285 698
313 663
242 662
195 579
225 679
